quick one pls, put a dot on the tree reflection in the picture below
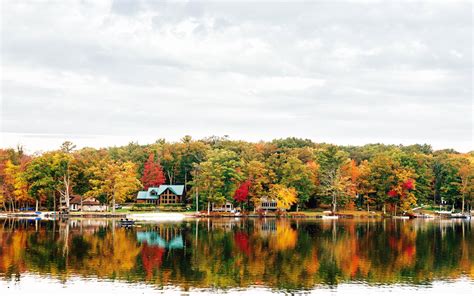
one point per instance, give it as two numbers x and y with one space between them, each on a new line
277 253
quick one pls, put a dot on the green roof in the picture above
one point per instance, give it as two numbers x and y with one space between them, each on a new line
176 189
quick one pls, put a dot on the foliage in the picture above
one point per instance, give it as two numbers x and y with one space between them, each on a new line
284 196
152 174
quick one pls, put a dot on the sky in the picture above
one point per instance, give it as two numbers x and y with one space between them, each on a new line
103 73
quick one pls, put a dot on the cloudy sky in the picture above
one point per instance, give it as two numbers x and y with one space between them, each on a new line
347 72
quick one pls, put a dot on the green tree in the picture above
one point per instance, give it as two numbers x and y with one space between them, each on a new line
218 176
333 182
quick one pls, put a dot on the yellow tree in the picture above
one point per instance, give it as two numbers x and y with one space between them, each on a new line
284 196
466 173
114 181
403 191
364 184
14 177
258 175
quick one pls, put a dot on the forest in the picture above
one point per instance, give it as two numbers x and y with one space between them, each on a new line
298 173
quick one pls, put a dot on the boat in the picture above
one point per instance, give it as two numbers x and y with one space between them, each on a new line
327 217
126 223
401 217
423 216
2 215
460 216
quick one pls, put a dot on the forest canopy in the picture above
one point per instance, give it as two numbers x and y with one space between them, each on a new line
299 173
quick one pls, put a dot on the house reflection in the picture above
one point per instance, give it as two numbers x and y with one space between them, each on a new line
163 237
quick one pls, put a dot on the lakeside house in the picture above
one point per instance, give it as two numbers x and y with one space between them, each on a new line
226 207
85 204
162 195
267 204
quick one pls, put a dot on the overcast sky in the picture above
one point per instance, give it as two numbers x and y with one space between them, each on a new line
347 72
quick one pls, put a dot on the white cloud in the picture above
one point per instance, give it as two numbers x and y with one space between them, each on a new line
346 72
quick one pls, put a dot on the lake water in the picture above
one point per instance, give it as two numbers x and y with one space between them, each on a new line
237 256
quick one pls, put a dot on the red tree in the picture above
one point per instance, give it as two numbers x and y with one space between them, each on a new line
242 193
153 175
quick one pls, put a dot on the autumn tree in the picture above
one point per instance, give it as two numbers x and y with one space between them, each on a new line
284 196
114 181
242 193
152 174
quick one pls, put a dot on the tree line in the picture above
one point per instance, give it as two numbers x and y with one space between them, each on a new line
297 173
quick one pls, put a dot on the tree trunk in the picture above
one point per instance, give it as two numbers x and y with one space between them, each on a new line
37 207
383 209
113 203
208 207
334 200
462 204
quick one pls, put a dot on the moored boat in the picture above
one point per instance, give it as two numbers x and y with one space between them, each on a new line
330 217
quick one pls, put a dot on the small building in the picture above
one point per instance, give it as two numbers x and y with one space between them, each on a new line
267 204
85 204
162 195
226 207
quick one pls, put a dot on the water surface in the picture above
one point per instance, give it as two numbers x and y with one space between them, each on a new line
238 256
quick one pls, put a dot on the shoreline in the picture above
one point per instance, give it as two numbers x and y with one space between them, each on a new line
161 216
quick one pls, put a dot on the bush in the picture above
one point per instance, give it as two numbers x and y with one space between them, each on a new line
143 207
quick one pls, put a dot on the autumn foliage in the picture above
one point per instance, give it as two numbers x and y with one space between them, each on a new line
242 193
153 175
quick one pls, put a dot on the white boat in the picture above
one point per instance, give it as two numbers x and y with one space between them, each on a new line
156 217
400 217
424 216
460 216
2 215
330 217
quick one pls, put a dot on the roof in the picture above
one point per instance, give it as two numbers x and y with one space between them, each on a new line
176 189
142 195
90 201
75 199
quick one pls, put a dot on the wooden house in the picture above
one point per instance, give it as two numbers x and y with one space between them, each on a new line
162 195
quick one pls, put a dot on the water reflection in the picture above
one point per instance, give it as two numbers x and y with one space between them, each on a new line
239 253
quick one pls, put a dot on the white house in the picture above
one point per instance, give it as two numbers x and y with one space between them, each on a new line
85 204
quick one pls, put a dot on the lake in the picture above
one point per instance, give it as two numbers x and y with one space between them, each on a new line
237 256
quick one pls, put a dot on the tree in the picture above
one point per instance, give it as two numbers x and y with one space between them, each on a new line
258 175
40 178
15 178
114 181
466 174
284 196
242 193
402 193
218 175
299 176
333 182
152 174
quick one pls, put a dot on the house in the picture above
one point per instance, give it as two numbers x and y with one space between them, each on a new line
85 204
267 204
226 207
162 195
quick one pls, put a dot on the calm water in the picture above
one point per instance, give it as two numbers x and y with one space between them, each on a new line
237 256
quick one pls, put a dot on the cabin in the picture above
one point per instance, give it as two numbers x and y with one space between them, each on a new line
162 195
267 204
85 204
226 207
